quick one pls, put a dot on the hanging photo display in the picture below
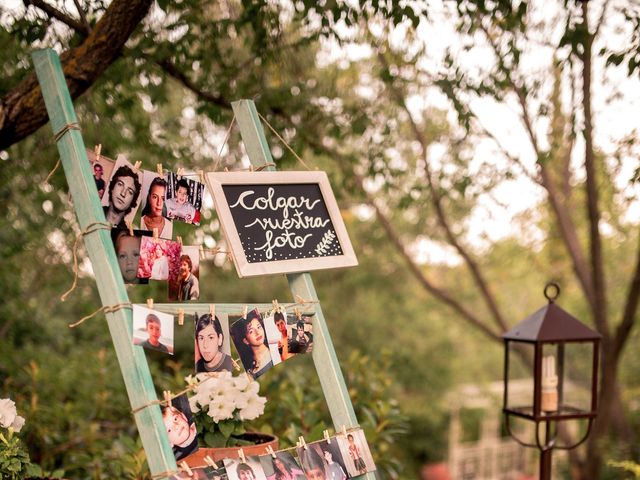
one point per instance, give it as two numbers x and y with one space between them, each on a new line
250 469
180 426
185 285
184 199
212 345
281 465
101 167
250 340
355 451
280 222
122 193
152 329
159 259
289 334
154 194
127 249
202 473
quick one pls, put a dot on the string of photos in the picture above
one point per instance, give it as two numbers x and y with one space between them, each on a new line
274 222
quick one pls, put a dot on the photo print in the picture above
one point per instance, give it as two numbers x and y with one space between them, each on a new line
322 461
251 469
154 193
159 259
101 168
300 333
184 199
152 329
283 466
355 451
180 426
251 342
122 193
185 285
212 345
127 249
202 473
274 337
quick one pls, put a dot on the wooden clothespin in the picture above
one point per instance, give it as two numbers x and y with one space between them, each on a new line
159 169
297 313
241 455
185 467
201 175
344 430
209 461
180 316
167 397
136 166
179 239
236 365
226 169
251 167
180 173
150 303
156 234
245 309
302 442
212 310
98 150
276 306
326 436
129 227
300 300
203 255
270 451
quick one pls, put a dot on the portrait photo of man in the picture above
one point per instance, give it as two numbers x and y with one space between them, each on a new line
185 285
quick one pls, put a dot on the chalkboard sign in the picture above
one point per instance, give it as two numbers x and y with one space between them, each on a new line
280 222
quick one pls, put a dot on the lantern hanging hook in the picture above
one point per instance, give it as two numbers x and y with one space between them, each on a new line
551 291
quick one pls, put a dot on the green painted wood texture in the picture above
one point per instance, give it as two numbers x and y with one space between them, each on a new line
324 354
132 360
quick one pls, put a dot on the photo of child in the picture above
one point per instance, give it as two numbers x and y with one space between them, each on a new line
183 199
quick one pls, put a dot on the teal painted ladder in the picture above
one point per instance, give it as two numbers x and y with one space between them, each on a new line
132 360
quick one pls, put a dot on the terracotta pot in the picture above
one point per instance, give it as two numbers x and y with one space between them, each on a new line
261 441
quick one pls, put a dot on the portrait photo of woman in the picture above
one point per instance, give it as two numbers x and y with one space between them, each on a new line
211 353
282 467
120 201
250 340
153 205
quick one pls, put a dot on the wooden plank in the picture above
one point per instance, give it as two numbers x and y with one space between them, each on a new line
324 355
132 360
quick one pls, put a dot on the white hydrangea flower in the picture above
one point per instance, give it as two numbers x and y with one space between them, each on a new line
219 409
254 408
194 404
9 416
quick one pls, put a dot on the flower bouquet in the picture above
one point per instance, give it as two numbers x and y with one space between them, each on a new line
220 404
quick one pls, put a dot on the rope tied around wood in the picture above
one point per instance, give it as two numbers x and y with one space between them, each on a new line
105 309
57 137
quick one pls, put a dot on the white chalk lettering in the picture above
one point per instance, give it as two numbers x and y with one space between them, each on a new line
269 203
287 238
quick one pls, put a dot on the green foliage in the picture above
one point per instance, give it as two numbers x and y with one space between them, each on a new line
14 459
628 466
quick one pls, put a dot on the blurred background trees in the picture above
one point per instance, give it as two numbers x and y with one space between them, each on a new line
478 149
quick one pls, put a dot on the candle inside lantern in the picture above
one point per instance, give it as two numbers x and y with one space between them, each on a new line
549 384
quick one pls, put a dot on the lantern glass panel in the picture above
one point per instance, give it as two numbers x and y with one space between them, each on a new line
578 377
519 397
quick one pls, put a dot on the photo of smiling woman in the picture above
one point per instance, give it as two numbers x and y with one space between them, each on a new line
121 200
180 426
251 342
153 205
210 344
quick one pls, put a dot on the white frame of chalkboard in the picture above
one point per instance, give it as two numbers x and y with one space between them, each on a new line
216 180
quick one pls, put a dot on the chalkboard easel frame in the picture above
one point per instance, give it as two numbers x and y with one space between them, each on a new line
217 180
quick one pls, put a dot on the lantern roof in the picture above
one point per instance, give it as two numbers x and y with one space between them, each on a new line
551 324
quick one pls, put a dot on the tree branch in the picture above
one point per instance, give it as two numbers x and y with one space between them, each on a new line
83 16
82 28
630 308
22 110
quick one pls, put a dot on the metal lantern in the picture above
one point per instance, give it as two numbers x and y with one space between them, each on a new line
558 363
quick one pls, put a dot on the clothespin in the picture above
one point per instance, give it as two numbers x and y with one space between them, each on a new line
156 234
226 169
209 461
185 467
296 311
180 173
167 397
129 226
212 310
201 175
180 316
241 455
97 150
203 255
300 300
276 306
326 436
136 166
251 167
179 239
150 303
159 169
236 365
270 451
344 430
245 309
302 442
